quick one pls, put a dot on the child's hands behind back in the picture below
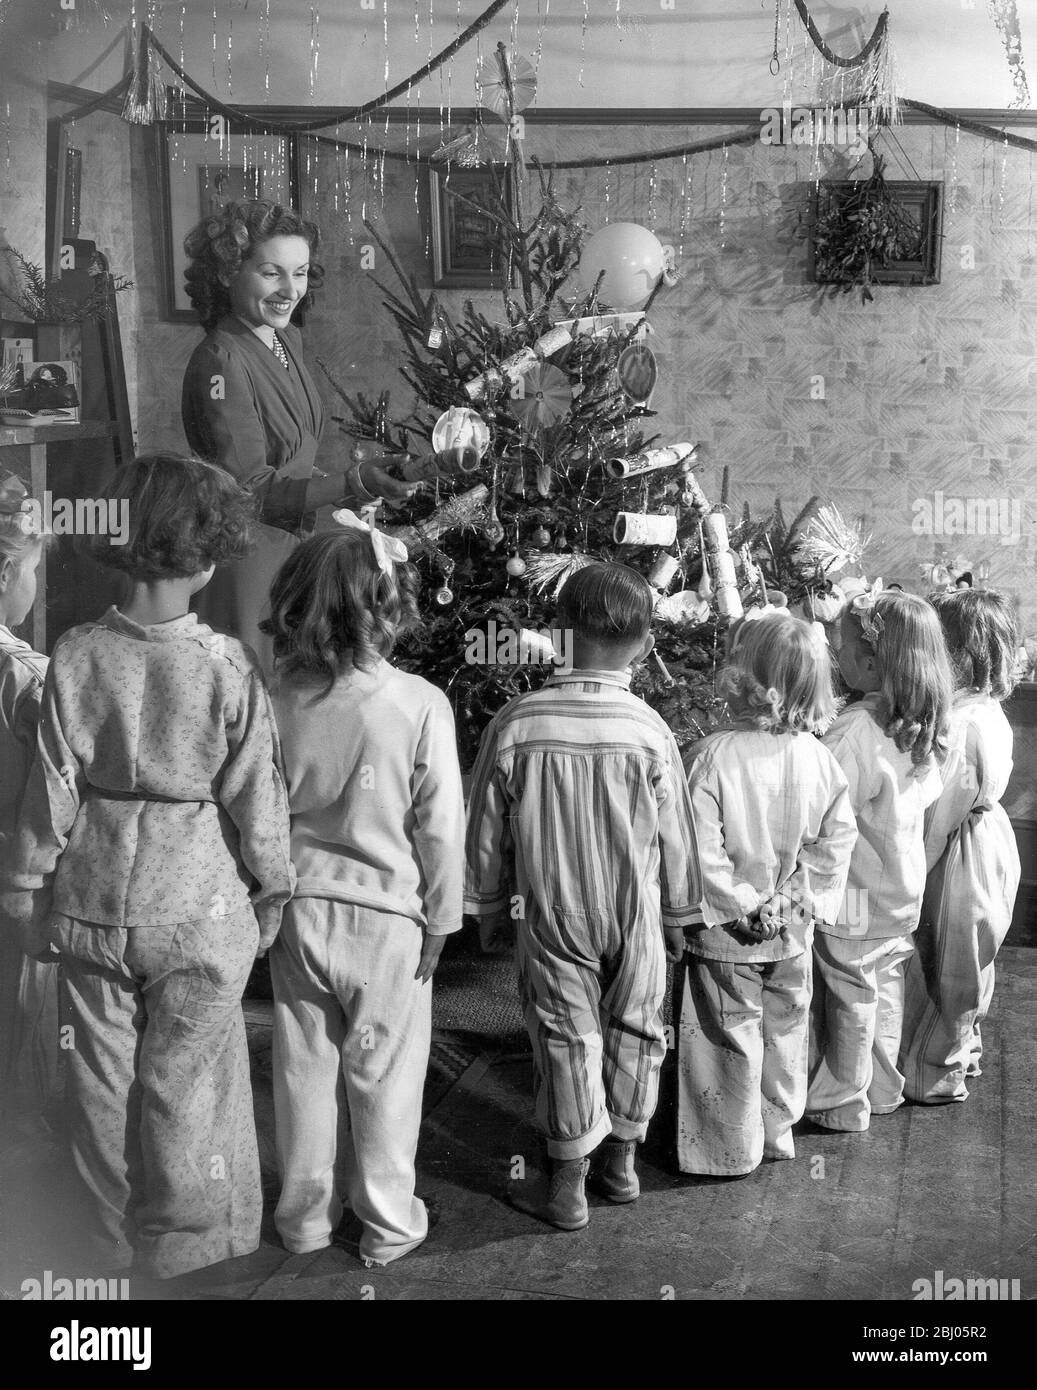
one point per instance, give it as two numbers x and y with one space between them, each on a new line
762 925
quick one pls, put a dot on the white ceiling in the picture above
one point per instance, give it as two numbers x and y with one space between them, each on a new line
632 53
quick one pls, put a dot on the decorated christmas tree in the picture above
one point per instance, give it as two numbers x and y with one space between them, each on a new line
536 454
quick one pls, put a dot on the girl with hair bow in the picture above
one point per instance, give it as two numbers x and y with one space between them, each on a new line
378 845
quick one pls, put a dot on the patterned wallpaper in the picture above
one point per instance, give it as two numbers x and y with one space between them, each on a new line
928 393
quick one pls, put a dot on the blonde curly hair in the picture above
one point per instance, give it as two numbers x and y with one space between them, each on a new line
777 677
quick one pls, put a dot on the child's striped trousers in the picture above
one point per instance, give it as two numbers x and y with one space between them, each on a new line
592 993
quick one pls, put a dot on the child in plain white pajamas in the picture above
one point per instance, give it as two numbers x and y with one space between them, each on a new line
377 842
972 856
774 832
892 650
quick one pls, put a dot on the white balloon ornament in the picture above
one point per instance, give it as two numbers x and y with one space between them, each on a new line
633 260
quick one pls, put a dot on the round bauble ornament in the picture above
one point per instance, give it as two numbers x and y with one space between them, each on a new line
516 565
444 596
633 260
541 537
461 428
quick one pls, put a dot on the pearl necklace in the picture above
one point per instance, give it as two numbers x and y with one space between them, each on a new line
277 348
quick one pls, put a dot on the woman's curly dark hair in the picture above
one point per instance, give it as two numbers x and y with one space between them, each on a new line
331 604
221 243
181 516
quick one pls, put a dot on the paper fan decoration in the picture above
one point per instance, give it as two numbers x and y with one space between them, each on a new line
548 396
493 90
831 542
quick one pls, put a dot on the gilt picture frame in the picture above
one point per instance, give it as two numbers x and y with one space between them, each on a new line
465 245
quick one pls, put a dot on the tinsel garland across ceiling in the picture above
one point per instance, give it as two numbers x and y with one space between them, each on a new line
150 51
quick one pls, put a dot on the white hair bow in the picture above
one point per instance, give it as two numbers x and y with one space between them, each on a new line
864 606
387 549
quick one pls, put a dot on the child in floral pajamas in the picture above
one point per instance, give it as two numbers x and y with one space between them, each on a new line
153 856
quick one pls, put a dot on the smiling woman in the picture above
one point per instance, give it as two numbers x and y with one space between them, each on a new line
250 405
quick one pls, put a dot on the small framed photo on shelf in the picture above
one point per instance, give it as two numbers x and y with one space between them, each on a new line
18 357
467 249
202 165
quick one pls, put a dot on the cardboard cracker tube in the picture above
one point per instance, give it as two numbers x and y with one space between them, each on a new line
643 528
650 460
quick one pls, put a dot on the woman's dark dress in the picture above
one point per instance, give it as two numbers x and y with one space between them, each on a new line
242 410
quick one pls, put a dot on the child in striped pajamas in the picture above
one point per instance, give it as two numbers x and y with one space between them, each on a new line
971 855
892 651
374 786
579 785
774 832
29 1070
153 855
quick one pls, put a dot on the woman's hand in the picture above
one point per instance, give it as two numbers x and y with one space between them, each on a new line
379 483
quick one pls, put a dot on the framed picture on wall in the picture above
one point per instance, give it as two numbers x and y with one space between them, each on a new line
466 245
921 204
200 170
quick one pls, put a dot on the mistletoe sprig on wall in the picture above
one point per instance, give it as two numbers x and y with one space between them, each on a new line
860 228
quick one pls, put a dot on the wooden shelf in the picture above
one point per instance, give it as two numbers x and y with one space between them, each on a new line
13 435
